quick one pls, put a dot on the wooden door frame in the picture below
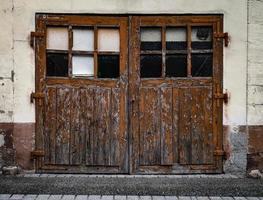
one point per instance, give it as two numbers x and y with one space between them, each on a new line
134 76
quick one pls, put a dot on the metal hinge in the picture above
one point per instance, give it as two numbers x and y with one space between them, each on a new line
223 96
224 36
36 95
33 36
37 153
220 152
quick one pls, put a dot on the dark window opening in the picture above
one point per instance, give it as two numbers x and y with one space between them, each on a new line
202 65
57 65
108 66
151 66
176 66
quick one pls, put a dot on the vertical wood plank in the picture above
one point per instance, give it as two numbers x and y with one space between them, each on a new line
115 127
63 125
50 125
176 123
185 126
101 145
150 127
87 124
167 139
75 127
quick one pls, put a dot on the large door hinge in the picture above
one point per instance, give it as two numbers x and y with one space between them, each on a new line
36 95
223 96
33 36
224 36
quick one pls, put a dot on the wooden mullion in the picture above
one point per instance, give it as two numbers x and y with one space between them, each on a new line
74 52
57 51
189 51
154 52
163 50
70 46
95 52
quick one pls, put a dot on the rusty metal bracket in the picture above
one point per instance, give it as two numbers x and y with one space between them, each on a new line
33 36
224 36
223 96
36 95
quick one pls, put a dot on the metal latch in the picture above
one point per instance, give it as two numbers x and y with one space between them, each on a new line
36 95
33 35
223 96
224 36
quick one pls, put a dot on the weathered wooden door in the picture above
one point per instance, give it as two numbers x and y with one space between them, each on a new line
175 79
82 74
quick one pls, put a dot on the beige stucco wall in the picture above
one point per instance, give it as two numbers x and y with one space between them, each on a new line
17 19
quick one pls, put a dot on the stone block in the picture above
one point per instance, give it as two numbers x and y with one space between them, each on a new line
255 113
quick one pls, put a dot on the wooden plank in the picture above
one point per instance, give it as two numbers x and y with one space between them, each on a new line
115 127
50 125
63 125
166 117
75 127
150 148
176 123
87 124
185 126
101 144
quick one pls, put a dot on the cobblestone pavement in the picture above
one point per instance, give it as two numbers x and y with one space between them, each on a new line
116 197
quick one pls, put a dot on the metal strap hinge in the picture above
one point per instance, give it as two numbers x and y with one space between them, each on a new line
37 153
33 35
36 95
224 36
223 96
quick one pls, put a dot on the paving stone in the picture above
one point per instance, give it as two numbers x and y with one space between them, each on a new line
17 196
81 197
215 198
42 197
120 197
184 198
145 198
68 197
171 198
30 197
252 198
94 197
158 197
202 198
132 197
107 197
227 198
4 196
239 198
55 197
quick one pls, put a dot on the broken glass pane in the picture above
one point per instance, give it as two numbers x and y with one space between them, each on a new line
202 37
83 39
57 64
57 38
151 39
108 66
176 65
108 39
151 66
176 38
83 66
202 65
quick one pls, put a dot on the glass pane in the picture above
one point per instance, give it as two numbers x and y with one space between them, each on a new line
151 39
202 65
83 40
57 38
83 65
176 65
108 39
202 37
57 64
108 66
151 66
176 38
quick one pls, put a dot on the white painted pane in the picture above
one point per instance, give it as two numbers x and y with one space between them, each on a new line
57 38
108 39
82 66
83 40
175 34
151 35
203 34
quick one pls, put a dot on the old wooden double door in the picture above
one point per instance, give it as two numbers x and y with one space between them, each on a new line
141 95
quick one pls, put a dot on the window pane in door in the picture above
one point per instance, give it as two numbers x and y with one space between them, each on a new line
151 39
108 39
57 64
176 65
176 38
57 38
202 37
108 66
82 66
202 65
83 39
151 66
